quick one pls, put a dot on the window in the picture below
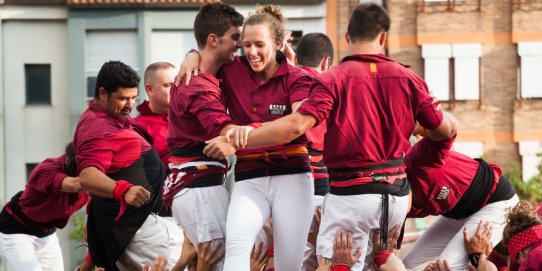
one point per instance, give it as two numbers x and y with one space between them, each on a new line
103 46
452 71
171 46
531 59
29 168
38 84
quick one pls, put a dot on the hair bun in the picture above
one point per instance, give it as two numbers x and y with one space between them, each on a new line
273 10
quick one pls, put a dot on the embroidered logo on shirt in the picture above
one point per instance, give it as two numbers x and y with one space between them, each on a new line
277 109
444 191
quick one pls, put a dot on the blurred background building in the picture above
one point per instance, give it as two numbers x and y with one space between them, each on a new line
480 57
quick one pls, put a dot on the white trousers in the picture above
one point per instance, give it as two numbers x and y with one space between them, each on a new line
150 241
288 199
201 213
25 252
444 238
358 214
310 261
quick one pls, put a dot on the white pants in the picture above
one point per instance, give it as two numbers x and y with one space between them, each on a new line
29 253
201 212
288 199
358 214
444 238
310 261
175 237
150 241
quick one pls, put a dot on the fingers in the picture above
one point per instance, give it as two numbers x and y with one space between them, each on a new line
187 78
160 263
349 241
480 227
466 235
357 254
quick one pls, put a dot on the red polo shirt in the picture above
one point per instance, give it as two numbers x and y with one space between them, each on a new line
431 166
371 103
250 101
156 125
43 202
106 141
196 112
315 135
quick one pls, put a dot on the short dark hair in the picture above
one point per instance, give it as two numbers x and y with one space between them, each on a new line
70 168
312 48
367 21
151 69
215 18
115 74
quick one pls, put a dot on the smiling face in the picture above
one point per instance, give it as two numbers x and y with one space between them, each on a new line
229 44
260 48
119 102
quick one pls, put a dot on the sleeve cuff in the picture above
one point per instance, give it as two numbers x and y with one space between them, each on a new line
57 182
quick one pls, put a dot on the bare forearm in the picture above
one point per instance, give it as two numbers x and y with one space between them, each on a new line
97 182
70 185
280 131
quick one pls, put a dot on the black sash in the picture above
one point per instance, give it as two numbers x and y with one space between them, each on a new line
10 225
108 239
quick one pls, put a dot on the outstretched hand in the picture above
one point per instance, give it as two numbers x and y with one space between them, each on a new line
342 250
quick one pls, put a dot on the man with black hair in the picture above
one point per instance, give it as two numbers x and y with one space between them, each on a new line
371 103
118 165
197 113
29 220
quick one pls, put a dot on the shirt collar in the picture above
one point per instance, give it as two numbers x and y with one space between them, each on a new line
310 70
371 58
120 121
281 59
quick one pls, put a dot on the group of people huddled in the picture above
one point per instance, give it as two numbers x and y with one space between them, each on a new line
325 172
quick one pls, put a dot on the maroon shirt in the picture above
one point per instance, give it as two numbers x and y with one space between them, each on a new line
431 166
250 101
43 202
106 141
196 112
315 135
371 103
156 125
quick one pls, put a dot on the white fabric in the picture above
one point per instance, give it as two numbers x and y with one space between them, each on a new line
358 214
310 261
288 199
175 237
444 238
150 241
25 252
201 212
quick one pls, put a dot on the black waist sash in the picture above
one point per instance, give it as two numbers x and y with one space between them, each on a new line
21 224
108 239
474 198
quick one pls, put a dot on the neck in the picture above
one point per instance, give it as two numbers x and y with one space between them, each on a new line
365 48
266 73
208 62
155 108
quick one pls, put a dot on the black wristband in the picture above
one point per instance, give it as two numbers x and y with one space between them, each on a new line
473 258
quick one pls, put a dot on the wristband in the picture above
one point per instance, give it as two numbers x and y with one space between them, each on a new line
473 258
118 194
88 258
382 256
270 251
340 268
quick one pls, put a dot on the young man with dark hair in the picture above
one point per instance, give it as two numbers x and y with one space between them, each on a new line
197 113
118 165
315 50
371 104
28 222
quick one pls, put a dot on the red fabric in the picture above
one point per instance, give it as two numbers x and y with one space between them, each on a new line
381 257
373 113
533 260
43 202
156 125
256 125
340 268
522 240
431 167
196 112
118 194
270 251
88 258
251 101
315 135
500 263
106 141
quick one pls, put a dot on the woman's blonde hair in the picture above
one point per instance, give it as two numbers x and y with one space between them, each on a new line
270 14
